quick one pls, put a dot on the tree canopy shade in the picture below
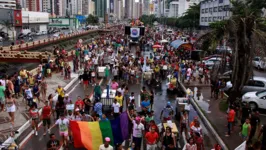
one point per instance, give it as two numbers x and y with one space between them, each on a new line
92 19
190 19
245 33
148 19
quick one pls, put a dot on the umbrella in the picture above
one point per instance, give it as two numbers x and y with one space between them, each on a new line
176 43
164 41
156 46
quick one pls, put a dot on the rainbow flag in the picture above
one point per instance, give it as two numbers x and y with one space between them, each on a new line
91 135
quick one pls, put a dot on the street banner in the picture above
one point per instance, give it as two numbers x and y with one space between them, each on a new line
134 32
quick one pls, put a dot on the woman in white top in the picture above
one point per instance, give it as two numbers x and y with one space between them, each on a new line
11 107
191 145
196 128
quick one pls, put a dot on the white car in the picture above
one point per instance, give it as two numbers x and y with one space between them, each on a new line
1 39
44 32
259 63
255 84
255 99
212 61
39 33
56 35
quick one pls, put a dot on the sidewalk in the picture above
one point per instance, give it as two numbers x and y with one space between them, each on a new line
217 118
21 114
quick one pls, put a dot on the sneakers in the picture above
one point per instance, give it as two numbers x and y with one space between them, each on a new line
36 133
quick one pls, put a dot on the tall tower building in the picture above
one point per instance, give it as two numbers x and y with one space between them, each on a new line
146 7
100 8
34 5
85 7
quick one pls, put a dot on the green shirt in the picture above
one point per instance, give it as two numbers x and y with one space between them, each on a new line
245 129
97 90
2 91
148 119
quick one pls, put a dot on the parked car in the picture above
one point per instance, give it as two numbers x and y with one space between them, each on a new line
226 76
39 33
255 84
259 63
209 63
255 99
44 32
212 56
56 35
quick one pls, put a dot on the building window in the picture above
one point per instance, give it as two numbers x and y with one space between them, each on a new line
215 9
226 8
221 8
214 18
210 10
202 19
210 19
202 11
205 19
206 10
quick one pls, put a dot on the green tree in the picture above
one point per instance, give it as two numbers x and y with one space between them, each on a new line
92 19
245 33
190 18
148 19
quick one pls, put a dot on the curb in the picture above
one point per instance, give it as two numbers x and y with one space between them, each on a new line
27 124
206 121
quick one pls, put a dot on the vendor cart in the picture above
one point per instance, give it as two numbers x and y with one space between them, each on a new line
108 101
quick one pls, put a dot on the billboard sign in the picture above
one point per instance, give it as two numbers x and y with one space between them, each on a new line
134 32
18 18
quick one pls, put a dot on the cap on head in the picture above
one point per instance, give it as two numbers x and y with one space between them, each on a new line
137 118
107 139
66 95
168 103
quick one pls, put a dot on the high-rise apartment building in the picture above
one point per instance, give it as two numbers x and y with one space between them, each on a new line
57 7
118 9
146 7
100 8
34 5
136 10
11 4
46 6
91 7
76 6
85 7
129 4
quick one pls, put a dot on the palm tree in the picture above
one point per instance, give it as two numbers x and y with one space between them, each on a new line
245 33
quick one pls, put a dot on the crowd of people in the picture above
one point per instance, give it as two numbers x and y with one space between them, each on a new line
124 65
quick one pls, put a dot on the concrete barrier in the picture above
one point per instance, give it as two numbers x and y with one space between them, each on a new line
206 121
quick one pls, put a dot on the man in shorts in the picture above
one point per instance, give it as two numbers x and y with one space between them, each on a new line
46 117
63 124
